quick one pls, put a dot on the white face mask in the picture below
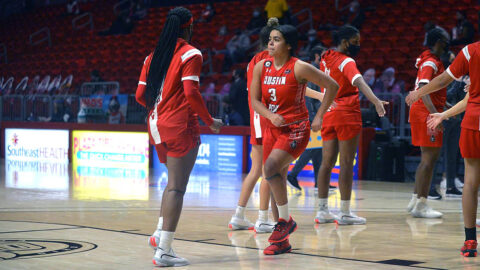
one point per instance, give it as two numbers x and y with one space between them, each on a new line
256 14
311 38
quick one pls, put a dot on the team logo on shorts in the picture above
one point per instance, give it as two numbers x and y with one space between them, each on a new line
268 64
293 144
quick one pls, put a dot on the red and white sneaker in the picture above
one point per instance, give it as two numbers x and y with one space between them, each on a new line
469 248
154 239
282 230
278 248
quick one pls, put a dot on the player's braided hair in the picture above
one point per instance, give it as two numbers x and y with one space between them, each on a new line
345 32
265 32
435 35
162 56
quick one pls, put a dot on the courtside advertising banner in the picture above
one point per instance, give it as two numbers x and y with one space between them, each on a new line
36 158
110 165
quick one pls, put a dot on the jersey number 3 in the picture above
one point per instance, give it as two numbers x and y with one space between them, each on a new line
273 97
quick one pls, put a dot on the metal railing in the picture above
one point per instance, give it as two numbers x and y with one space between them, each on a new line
308 21
47 37
395 113
214 103
77 24
99 88
13 108
3 53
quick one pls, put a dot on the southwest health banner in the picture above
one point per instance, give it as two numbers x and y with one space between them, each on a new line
36 158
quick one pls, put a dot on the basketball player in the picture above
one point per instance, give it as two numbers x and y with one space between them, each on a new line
430 142
342 124
168 88
280 82
466 62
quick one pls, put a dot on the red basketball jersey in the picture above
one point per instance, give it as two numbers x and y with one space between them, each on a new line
468 62
429 66
282 93
255 120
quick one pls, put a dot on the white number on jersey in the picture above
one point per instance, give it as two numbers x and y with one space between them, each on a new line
273 108
273 94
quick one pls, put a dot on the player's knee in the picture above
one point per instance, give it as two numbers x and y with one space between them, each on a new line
271 169
177 191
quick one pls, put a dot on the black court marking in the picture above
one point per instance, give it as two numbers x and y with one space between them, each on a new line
43 230
14 249
228 245
400 262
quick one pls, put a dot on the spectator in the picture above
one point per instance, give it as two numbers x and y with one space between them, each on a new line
462 33
256 22
95 77
354 15
221 39
388 84
276 8
61 113
122 25
137 10
238 99
115 116
208 13
369 77
312 41
73 8
236 49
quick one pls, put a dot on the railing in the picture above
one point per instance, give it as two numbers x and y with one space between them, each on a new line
214 104
3 53
395 113
308 21
76 24
13 108
121 7
99 88
46 32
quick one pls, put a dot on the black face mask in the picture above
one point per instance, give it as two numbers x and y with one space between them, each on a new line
353 49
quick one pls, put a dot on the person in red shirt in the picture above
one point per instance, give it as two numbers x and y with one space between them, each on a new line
277 93
430 142
238 220
466 62
169 89
342 124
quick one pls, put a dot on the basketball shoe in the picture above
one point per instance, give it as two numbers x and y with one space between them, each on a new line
324 216
165 259
469 248
264 226
350 219
237 223
278 248
282 230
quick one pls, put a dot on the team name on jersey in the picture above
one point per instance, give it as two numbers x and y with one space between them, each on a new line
269 80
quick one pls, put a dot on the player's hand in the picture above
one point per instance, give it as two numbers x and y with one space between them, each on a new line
412 97
277 120
216 125
380 107
317 123
467 85
434 121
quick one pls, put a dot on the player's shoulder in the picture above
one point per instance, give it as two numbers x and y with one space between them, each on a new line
188 51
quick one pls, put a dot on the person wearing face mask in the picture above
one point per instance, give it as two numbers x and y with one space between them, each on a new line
369 77
256 22
342 124
429 66
312 41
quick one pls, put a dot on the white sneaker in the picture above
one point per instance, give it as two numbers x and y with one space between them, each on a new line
443 183
458 183
240 224
165 259
412 203
324 216
154 239
423 210
264 226
350 219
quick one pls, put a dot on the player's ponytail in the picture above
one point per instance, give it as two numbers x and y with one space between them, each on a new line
177 19
265 32
345 32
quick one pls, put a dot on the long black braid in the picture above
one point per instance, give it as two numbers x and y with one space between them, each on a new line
162 56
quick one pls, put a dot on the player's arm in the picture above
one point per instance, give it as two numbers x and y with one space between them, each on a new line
436 119
142 86
256 96
439 82
427 101
309 92
367 91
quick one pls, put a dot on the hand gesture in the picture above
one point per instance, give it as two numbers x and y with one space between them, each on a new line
216 125
434 121
412 97
277 120
380 107
317 123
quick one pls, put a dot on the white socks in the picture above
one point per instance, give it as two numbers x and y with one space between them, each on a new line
160 224
263 215
323 204
240 212
283 211
166 241
345 206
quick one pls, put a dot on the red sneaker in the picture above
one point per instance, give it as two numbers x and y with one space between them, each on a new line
282 230
469 248
278 248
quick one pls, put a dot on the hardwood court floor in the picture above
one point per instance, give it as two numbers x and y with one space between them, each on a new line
101 223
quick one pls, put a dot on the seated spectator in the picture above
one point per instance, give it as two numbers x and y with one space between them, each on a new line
61 113
312 41
73 8
387 83
95 77
256 22
237 99
208 13
122 25
463 32
236 49
354 15
220 41
369 77
276 8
